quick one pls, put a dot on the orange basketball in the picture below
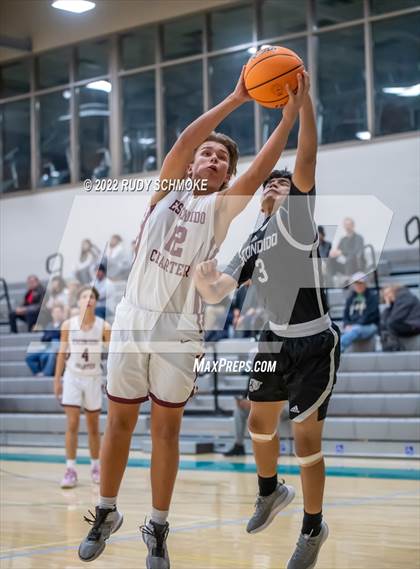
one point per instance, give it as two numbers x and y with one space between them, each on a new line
268 72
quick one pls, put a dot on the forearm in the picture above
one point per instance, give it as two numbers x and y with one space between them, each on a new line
59 366
268 156
307 138
213 293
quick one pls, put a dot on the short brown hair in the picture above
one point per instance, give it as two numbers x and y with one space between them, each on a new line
87 287
231 147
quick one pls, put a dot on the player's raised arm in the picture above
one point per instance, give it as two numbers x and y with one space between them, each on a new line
304 171
181 154
247 184
61 358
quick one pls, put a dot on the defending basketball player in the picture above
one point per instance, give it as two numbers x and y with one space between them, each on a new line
81 343
282 259
162 308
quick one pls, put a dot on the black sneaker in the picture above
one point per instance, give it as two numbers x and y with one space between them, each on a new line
105 522
154 536
236 450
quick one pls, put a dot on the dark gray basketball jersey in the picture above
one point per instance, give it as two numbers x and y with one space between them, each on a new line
281 258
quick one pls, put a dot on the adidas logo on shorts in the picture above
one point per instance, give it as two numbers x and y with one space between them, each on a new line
295 409
254 384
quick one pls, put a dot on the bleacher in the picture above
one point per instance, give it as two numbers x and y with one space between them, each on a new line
375 410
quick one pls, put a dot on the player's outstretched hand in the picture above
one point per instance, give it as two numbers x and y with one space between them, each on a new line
291 109
207 272
240 93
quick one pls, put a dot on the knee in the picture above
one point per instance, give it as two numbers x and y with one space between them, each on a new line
167 434
121 424
260 432
73 426
305 445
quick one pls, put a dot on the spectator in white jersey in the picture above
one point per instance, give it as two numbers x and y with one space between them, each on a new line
81 344
282 259
178 232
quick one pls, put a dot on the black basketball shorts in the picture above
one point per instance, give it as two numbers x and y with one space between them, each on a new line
302 371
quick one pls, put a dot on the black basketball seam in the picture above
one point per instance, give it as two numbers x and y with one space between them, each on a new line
274 78
271 101
269 57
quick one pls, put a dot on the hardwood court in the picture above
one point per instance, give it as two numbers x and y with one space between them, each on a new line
374 523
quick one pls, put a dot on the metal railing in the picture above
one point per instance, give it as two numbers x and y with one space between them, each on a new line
4 295
50 264
415 219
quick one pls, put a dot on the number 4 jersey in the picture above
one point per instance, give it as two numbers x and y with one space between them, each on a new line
85 347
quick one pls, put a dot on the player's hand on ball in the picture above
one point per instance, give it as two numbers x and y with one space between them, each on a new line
207 271
240 93
291 109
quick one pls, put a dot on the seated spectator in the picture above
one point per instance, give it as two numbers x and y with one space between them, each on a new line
324 246
88 260
106 290
361 313
116 261
72 290
30 307
348 257
42 362
57 293
401 317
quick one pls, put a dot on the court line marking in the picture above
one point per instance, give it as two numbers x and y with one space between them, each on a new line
12 553
241 467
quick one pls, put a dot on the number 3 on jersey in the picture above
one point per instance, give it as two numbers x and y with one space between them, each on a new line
178 236
262 273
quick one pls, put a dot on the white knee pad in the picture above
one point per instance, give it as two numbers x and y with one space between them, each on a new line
258 438
310 460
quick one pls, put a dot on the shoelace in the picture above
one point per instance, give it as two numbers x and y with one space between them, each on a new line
160 537
96 521
302 544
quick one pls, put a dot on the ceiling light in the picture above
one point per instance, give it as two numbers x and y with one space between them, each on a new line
363 135
75 6
100 86
411 91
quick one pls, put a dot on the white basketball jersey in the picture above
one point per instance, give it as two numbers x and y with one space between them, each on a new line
176 234
85 347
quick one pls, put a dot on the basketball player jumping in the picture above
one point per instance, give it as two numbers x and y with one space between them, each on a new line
161 306
81 342
282 259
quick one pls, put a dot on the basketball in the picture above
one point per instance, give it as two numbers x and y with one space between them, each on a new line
268 72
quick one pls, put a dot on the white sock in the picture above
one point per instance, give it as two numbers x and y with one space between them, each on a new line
159 516
71 463
108 503
94 462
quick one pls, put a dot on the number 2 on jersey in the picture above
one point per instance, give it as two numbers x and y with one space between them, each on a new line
178 236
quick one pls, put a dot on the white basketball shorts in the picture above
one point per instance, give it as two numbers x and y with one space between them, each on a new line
152 354
82 391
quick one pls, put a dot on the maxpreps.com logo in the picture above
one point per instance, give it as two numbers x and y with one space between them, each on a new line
223 365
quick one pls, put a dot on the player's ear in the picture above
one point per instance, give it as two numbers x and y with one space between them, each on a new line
188 173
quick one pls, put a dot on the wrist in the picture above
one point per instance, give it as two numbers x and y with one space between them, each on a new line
235 99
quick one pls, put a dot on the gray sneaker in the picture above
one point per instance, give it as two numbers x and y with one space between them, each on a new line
267 507
154 536
307 550
105 522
